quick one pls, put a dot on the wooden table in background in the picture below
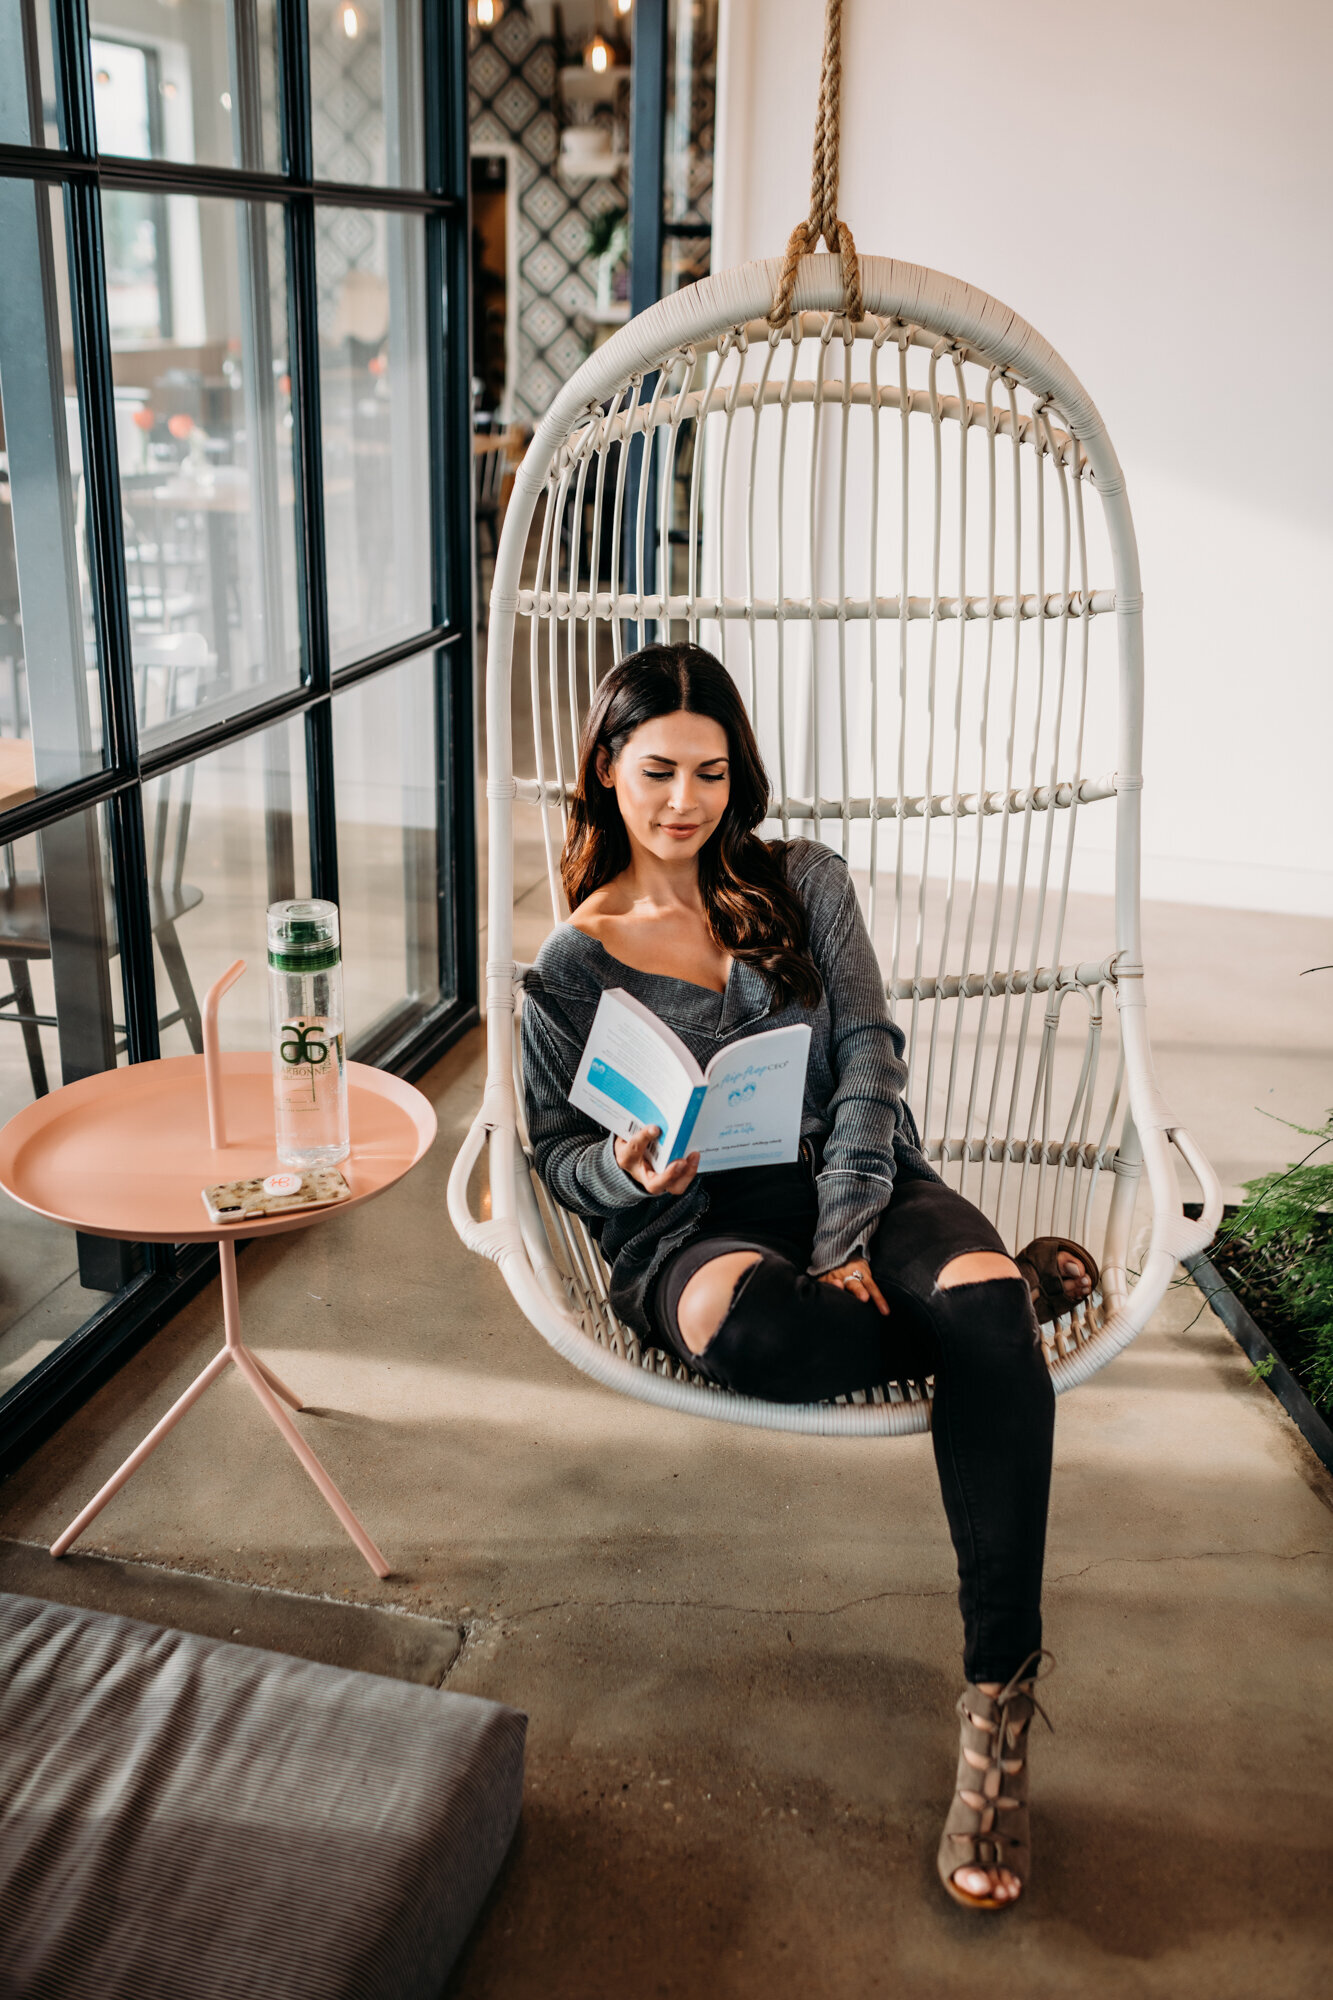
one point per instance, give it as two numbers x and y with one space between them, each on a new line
18 772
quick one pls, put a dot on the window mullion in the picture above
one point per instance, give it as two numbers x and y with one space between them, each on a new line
101 474
111 616
134 923
74 83
451 453
294 41
303 307
449 352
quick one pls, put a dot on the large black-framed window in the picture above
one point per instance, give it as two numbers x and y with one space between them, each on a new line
236 620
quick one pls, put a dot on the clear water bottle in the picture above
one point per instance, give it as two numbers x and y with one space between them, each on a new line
305 992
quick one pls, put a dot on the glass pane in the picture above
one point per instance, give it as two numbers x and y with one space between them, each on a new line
192 80
50 707
691 93
366 91
27 74
61 1018
226 836
385 781
685 259
492 386
372 361
197 297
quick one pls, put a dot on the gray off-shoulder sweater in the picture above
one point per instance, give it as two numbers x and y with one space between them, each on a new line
853 1088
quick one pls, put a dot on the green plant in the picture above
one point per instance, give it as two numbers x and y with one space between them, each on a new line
1287 1230
605 229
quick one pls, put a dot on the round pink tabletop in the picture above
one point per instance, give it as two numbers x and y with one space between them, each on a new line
127 1152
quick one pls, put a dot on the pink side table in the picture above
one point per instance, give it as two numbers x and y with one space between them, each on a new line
126 1154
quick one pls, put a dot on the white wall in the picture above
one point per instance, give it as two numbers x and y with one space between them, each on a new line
1151 185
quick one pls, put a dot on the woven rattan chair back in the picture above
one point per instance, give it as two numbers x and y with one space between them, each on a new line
908 541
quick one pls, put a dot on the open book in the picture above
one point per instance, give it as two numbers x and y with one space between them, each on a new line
744 1110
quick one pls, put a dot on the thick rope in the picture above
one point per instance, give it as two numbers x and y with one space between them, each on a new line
823 217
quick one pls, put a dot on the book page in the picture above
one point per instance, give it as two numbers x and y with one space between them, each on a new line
751 1115
629 1075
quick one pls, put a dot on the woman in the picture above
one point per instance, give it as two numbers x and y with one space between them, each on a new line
852 1267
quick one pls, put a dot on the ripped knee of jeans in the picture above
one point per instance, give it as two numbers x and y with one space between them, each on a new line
711 1296
975 1267
984 1316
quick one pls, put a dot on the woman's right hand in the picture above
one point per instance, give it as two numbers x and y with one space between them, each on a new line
632 1158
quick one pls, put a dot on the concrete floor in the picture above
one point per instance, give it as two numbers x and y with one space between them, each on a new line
739 1651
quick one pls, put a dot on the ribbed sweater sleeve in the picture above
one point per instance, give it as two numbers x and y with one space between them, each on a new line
575 1158
865 1109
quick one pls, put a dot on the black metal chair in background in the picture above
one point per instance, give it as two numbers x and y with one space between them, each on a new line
496 451
25 928
13 705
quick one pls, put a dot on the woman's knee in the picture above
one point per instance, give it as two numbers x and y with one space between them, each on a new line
976 1267
707 1298
981 1313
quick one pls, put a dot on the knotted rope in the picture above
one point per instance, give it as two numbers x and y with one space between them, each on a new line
823 217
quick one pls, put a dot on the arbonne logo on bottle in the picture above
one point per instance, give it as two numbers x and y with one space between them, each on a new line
310 1054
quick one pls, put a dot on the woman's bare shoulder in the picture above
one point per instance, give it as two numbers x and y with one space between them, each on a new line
596 912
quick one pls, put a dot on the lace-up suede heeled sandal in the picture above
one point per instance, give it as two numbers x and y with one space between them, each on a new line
1039 1266
987 1825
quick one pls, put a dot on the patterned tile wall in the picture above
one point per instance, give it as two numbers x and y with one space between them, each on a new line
347 113
514 101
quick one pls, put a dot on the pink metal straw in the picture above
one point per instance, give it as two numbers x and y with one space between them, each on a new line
217 1123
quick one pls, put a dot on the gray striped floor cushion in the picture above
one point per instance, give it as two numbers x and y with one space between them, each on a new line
183 1820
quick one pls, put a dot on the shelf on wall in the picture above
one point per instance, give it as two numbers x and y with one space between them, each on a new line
597 166
581 85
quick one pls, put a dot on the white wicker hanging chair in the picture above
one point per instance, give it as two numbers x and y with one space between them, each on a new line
907 537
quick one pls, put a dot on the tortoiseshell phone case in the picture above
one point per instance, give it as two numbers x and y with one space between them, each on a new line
239 1201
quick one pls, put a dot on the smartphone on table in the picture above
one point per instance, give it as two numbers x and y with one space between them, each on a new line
275 1194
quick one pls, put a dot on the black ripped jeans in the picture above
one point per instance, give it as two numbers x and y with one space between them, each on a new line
791 1339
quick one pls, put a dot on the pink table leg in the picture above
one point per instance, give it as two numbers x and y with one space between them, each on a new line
288 1395
141 1452
263 1382
259 1379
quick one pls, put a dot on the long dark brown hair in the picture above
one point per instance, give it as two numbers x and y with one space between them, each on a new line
752 910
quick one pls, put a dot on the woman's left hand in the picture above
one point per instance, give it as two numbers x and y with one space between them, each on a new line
854 1278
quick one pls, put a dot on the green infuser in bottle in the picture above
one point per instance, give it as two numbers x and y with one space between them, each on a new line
305 987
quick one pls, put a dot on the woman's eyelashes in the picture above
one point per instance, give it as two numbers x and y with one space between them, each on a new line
664 777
